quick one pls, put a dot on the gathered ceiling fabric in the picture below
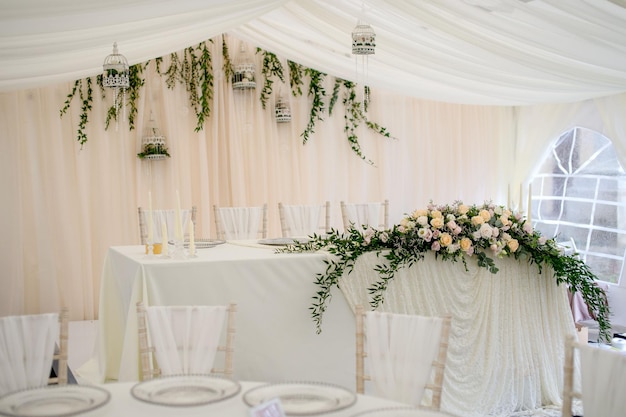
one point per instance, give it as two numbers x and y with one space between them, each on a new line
488 52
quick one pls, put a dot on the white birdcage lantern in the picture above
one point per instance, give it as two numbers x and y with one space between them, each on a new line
243 70
363 40
116 70
153 142
282 110
116 75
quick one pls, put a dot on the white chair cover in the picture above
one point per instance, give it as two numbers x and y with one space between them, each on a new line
363 214
302 221
26 350
401 350
186 338
240 223
169 217
603 378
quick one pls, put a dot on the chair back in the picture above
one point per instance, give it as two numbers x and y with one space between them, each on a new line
168 217
363 215
406 355
241 223
28 349
602 378
183 340
304 220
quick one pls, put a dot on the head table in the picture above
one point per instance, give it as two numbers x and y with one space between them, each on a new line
506 345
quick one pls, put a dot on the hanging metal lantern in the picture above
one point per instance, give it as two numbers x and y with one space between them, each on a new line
363 40
243 70
282 110
153 143
116 71
116 75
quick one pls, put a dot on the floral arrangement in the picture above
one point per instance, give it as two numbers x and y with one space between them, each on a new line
455 232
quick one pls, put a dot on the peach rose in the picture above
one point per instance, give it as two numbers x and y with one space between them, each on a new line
463 209
466 244
436 213
445 239
476 220
437 222
513 245
485 215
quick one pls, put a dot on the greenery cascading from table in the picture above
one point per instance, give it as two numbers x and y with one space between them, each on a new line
453 232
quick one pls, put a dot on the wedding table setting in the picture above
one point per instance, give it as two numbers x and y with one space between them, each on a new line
510 315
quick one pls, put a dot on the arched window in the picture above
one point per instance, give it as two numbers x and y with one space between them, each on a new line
579 196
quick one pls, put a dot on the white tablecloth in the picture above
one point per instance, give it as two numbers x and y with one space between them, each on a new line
507 341
275 338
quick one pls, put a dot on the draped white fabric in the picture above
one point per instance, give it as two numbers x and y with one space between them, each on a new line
603 378
26 350
401 350
474 52
302 220
362 215
240 223
185 338
506 342
167 217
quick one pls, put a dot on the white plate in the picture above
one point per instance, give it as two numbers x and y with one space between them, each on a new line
284 241
401 412
59 400
185 390
302 398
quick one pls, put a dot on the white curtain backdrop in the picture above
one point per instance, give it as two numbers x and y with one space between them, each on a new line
63 206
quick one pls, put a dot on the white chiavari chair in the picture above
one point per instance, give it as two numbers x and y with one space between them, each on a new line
241 223
304 220
405 355
358 215
182 340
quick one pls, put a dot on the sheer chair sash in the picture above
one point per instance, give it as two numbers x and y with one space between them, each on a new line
26 350
603 378
302 221
186 338
401 349
367 214
240 223
169 218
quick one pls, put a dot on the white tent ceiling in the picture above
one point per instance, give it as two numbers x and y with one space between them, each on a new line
494 52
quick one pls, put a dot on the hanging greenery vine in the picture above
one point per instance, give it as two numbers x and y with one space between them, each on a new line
194 70
85 93
271 68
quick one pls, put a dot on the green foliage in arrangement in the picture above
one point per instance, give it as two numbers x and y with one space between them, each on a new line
455 232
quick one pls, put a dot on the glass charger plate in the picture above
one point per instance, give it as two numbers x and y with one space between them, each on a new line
302 398
61 401
283 241
202 243
401 412
185 390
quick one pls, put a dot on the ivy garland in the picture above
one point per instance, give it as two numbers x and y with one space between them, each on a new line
271 67
194 70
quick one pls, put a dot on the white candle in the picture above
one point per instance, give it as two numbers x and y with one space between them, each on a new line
530 202
192 243
150 221
179 222
164 244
